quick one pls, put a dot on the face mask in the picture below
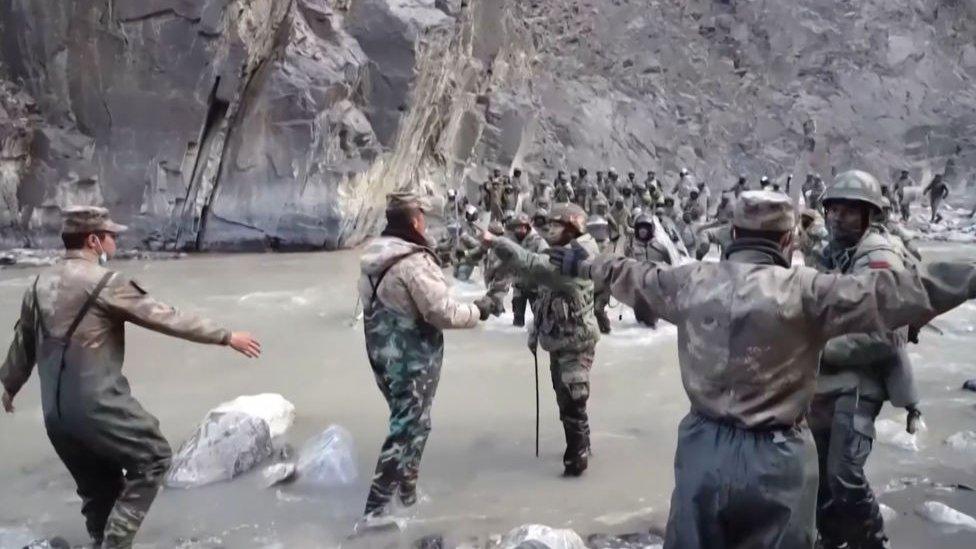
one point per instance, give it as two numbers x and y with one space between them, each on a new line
102 256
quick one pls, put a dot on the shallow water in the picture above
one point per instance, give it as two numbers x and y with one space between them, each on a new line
479 475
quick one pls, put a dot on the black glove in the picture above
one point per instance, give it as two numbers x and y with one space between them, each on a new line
914 418
568 259
485 307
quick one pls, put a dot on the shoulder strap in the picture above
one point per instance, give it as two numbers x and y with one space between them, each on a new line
37 309
88 303
379 279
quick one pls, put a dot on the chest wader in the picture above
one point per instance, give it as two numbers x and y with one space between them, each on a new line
110 445
406 355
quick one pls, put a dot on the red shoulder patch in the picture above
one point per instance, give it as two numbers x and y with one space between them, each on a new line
879 265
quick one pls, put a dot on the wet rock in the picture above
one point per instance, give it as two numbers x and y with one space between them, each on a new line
278 473
537 536
941 513
271 408
430 542
226 445
887 513
639 540
970 385
328 459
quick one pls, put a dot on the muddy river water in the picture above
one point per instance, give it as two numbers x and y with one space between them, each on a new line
479 475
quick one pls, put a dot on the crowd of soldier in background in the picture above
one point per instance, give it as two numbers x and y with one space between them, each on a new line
643 218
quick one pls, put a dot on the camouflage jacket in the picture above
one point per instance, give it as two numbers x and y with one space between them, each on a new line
750 331
652 250
62 291
414 285
862 361
564 318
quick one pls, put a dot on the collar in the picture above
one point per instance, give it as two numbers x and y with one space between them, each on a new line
757 251
80 254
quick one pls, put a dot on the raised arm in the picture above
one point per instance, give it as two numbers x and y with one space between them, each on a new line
637 284
432 296
534 266
882 300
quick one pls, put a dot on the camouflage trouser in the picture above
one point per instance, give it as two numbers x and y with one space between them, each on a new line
601 300
409 394
570 372
114 504
847 510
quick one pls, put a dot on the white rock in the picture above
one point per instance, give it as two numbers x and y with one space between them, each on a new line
941 513
893 433
277 473
224 446
273 408
542 537
963 441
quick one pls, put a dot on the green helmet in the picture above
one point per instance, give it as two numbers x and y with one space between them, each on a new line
519 220
856 186
570 215
645 220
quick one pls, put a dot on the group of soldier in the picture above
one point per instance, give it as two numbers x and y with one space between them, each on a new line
786 366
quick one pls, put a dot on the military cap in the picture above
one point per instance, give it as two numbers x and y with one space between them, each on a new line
569 214
405 200
764 211
88 219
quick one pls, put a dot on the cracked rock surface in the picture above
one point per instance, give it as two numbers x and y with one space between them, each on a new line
281 124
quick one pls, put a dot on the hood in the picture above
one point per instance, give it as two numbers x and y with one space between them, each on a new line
383 251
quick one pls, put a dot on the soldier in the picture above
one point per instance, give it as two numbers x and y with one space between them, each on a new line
72 325
621 222
565 325
524 292
684 186
692 206
764 183
600 229
466 242
904 205
407 304
740 186
812 237
750 330
541 192
511 195
789 182
723 212
858 372
902 238
813 189
564 191
492 192
540 219
646 248
937 191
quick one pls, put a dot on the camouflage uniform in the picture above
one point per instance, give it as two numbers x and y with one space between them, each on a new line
565 326
750 331
858 373
524 292
407 305
602 232
812 237
937 191
72 325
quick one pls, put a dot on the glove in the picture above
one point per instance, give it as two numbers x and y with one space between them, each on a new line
568 259
484 307
913 421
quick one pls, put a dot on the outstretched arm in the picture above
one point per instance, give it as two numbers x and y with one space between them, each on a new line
129 302
881 300
637 284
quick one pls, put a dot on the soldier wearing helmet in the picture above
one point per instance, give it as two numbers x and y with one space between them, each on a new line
540 219
602 231
524 292
646 247
937 191
565 324
858 372
750 331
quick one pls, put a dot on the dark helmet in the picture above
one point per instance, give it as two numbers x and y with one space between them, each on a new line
669 201
631 175
856 186
496 228
540 217
570 215
582 172
694 195
517 172
644 219
904 173
520 220
598 227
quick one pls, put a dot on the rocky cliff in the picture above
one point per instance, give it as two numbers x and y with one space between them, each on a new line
281 124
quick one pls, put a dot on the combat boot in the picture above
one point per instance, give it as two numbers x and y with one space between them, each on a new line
576 457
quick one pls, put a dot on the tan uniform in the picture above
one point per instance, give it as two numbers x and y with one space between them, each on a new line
95 425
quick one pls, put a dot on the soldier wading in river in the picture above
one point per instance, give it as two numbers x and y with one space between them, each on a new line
72 325
565 324
407 305
750 331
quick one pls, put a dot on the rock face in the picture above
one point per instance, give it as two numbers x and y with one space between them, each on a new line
281 124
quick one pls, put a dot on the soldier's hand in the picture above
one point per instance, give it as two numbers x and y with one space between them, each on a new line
244 343
8 403
568 259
